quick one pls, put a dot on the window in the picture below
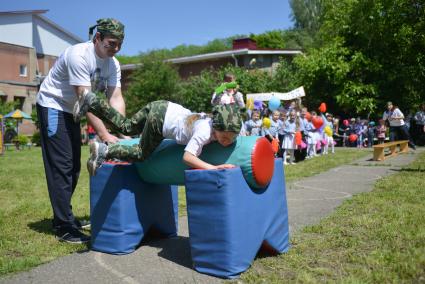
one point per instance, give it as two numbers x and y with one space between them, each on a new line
23 70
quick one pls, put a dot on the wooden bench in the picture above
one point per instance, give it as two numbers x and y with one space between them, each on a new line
378 150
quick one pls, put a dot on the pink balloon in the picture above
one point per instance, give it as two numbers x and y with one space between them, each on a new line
324 141
303 145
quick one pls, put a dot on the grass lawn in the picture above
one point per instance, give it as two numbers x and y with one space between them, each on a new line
26 239
375 237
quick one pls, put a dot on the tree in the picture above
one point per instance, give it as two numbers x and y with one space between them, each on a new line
153 80
307 14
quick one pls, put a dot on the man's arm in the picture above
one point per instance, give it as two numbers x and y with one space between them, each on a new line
116 101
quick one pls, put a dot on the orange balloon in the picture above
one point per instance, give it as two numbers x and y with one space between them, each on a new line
275 145
352 138
317 122
322 108
298 138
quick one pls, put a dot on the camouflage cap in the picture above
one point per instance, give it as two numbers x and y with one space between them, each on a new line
109 26
227 118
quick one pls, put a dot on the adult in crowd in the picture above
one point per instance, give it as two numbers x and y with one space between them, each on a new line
89 66
419 126
398 128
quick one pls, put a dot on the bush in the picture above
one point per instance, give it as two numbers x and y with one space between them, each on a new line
36 138
21 139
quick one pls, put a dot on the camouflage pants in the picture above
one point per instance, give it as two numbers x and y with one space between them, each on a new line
147 122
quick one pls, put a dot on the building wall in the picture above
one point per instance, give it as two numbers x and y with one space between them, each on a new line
48 40
16 29
45 63
13 87
191 69
11 57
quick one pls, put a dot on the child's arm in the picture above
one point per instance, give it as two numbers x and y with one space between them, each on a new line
196 163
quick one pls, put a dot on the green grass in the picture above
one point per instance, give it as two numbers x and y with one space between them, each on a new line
375 237
26 239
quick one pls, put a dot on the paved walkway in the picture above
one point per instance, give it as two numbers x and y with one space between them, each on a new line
168 261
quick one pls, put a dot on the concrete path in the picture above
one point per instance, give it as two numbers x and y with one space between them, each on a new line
169 261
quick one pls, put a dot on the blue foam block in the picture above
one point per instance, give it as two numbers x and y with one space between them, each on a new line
123 208
228 221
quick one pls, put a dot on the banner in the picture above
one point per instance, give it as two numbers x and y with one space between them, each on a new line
292 95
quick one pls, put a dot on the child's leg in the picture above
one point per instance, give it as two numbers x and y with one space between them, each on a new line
331 141
284 156
150 138
325 147
128 126
291 156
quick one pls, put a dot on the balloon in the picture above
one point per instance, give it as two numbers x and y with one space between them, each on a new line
258 105
345 122
303 145
352 138
274 104
317 122
267 122
307 116
324 141
275 145
298 138
322 108
250 104
328 131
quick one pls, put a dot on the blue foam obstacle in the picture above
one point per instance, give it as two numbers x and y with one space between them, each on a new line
228 221
123 208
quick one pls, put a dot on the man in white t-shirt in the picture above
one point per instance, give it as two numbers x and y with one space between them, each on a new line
89 66
398 128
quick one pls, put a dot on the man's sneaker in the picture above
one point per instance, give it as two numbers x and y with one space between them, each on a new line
82 105
72 236
98 151
82 224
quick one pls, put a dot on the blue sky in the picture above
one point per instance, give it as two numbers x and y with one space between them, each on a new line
164 24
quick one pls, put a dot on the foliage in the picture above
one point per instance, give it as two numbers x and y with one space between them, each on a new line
36 138
388 39
307 14
154 80
21 139
6 107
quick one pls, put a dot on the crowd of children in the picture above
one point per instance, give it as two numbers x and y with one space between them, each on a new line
300 134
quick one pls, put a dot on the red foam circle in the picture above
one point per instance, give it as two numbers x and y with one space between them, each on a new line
262 161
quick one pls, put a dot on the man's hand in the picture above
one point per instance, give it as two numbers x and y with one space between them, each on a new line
109 138
224 166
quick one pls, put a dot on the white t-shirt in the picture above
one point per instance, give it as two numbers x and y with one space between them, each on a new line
396 113
78 65
175 128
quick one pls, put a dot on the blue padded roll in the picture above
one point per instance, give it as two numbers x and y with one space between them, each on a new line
228 221
123 208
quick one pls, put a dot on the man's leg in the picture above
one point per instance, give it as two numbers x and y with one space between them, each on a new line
61 149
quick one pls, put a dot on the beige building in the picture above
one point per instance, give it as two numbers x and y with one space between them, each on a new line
29 45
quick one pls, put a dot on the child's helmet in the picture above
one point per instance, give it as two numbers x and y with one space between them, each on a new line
227 118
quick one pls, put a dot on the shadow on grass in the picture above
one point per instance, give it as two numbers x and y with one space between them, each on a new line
44 226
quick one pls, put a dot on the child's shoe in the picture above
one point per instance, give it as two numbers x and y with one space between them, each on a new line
98 152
